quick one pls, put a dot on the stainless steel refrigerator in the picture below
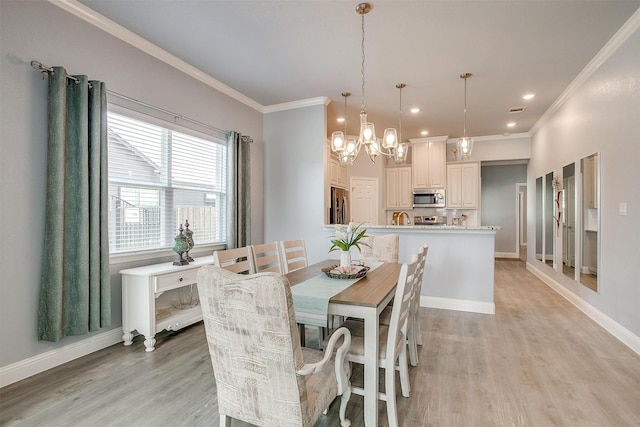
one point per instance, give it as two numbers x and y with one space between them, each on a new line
339 210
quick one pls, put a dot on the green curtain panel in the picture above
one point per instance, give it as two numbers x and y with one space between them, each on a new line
239 194
75 293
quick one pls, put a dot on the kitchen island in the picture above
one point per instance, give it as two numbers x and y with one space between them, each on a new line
459 273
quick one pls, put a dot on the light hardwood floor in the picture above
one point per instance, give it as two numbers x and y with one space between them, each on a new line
538 361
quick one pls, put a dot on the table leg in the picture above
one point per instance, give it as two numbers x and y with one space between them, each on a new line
371 343
127 337
149 342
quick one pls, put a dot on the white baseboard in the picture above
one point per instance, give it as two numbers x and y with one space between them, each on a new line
458 304
614 328
506 255
25 368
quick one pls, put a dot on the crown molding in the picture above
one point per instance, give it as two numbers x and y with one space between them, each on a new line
498 137
629 27
321 100
428 139
92 17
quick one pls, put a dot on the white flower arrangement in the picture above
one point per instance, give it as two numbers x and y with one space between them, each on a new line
348 236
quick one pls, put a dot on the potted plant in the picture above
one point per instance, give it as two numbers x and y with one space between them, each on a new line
345 238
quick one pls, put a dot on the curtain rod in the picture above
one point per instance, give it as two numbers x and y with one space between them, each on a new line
39 66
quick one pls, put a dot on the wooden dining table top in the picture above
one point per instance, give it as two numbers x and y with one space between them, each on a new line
369 291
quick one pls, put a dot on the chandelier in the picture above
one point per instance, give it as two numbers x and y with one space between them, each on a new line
464 144
348 150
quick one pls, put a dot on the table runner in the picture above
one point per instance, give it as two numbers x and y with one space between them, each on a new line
311 297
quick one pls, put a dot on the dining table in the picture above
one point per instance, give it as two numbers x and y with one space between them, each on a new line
364 299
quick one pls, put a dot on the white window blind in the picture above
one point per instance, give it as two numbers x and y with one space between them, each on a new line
158 179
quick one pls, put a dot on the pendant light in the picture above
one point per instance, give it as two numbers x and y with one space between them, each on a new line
367 136
340 143
464 144
400 154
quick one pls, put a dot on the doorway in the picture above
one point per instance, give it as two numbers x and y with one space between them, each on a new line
521 235
364 200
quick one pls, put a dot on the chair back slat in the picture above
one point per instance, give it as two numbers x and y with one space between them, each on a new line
236 260
266 257
293 254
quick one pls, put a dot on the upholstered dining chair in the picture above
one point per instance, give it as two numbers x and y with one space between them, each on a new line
266 257
393 347
263 375
380 248
237 260
293 254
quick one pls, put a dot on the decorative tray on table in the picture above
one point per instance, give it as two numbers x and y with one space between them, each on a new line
337 272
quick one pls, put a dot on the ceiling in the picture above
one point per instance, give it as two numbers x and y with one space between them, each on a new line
276 51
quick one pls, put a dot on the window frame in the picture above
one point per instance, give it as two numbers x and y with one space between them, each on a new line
175 123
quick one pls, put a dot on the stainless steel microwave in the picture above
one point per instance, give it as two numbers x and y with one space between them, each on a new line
434 198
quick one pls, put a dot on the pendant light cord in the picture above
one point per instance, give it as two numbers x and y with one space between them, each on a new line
464 132
363 108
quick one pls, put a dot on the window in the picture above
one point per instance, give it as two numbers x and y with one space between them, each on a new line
158 179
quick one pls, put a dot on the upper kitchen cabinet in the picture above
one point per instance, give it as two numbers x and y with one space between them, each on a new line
463 181
336 171
398 193
337 174
429 162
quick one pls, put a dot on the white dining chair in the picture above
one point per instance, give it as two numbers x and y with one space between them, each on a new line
266 257
414 338
236 260
393 347
293 254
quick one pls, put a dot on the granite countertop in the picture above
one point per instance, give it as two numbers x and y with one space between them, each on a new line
433 228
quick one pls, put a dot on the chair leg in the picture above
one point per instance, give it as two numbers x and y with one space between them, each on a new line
344 399
411 342
418 330
404 372
390 392
302 332
225 421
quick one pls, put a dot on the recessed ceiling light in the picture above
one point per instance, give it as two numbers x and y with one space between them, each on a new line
415 110
528 96
340 119
424 132
511 124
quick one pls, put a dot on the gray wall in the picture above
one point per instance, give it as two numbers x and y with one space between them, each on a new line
601 115
294 178
499 196
40 31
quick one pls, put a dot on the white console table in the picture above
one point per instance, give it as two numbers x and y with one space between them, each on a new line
150 295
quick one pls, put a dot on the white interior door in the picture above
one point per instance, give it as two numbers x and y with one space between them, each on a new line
364 200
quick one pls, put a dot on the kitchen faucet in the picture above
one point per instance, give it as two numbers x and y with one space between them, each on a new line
401 216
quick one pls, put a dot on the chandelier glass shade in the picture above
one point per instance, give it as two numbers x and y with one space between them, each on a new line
348 149
465 145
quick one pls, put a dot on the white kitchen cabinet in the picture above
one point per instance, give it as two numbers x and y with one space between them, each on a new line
463 185
337 174
429 162
151 299
398 193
